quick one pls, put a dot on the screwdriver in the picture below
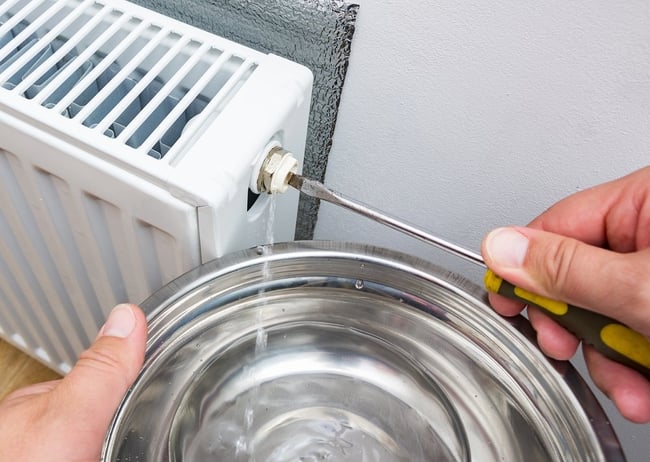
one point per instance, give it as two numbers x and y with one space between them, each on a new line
613 339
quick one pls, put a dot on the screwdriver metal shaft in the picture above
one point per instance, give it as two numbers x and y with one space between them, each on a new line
318 190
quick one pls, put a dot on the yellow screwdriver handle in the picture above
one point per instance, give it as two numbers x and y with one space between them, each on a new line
613 339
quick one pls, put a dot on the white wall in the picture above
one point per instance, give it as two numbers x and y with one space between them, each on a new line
463 116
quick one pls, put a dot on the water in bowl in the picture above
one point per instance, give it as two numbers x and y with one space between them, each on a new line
315 394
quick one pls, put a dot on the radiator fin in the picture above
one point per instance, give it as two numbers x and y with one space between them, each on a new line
139 84
98 220
55 193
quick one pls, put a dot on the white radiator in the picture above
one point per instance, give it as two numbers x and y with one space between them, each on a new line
127 145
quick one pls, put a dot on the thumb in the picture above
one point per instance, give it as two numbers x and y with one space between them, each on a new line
105 371
566 269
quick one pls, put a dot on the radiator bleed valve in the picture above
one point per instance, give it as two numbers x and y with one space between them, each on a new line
276 170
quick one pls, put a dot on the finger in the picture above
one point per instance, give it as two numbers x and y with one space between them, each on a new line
609 214
554 340
504 306
591 205
569 270
95 386
628 389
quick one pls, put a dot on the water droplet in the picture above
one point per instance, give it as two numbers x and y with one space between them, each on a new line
261 340
250 415
358 284
241 445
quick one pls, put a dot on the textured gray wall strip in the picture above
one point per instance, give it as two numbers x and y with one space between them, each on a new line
315 33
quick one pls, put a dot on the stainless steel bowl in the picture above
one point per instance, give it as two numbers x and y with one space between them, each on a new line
340 352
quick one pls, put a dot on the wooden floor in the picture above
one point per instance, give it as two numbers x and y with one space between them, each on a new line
18 370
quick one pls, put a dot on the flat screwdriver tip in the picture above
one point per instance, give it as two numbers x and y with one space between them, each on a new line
296 181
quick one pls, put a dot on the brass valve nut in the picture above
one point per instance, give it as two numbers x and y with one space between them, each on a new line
276 170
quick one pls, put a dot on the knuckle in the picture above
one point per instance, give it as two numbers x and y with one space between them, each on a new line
101 360
634 292
629 281
557 270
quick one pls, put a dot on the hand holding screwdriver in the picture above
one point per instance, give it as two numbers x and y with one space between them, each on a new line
591 249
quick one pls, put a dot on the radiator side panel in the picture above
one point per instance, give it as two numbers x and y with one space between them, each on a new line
72 245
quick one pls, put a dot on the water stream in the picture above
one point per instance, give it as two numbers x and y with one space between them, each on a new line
244 448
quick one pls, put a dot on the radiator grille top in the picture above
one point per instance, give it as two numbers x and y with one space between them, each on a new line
140 79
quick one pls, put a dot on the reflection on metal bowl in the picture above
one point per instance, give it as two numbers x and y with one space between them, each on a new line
315 351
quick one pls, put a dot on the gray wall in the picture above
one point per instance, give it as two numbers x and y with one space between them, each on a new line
463 116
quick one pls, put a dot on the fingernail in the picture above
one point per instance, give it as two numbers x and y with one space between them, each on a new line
507 247
120 322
